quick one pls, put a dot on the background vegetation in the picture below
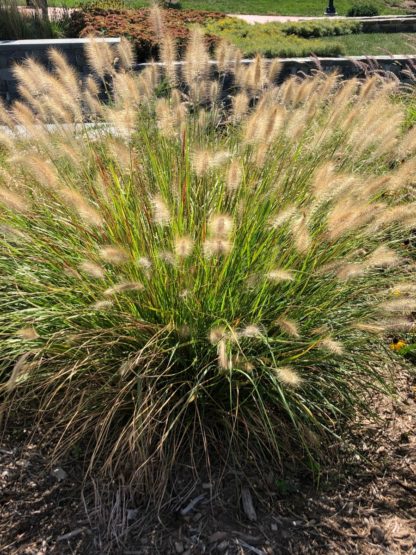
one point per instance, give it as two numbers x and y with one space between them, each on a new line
321 38
16 26
281 7
326 38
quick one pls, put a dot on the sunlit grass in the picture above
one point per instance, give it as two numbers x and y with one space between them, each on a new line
209 271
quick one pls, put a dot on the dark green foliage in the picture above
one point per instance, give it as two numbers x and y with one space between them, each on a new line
363 9
319 28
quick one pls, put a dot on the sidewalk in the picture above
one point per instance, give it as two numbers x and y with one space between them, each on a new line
278 18
252 19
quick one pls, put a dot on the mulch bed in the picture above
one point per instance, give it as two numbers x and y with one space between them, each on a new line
369 508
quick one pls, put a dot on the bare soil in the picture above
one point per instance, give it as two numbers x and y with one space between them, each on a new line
366 507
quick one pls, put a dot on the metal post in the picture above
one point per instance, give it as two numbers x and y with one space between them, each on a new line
330 10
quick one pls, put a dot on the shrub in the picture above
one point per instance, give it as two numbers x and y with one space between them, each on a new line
112 5
134 25
270 39
189 274
318 28
363 9
173 4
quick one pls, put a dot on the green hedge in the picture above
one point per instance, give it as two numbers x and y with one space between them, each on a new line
317 28
273 39
363 9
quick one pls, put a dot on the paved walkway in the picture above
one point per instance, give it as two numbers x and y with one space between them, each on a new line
287 18
277 18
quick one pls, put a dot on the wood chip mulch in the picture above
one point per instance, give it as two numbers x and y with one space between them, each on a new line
369 508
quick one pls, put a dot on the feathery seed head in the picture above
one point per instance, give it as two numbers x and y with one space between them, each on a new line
19 370
283 216
102 305
402 306
67 76
156 21
323 179
347 216
279 274
226 55
5 117
214 90
167 257
329 344
168 57
240 106
92 269
223 358
201 162
197 64
234 175
216 334
161 213
288 376
114 255
126 91
370 327
183 246
383 257
82 206
126 53
301 235
216 247
274 70
13 201
402 288
290 327
28 333
251 331
399 325
220 225
350 270
205 160
144 262
100 57
165 118
123 287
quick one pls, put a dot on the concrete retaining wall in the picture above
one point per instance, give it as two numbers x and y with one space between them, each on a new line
388 24
16 51
354 66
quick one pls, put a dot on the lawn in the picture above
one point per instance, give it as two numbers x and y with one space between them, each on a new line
281 7
373 44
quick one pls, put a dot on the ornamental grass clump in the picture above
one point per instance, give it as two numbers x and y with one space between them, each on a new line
188 272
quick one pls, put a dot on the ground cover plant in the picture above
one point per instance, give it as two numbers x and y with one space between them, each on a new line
327 38
281 39
194 272
134 25
321 28
270 40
